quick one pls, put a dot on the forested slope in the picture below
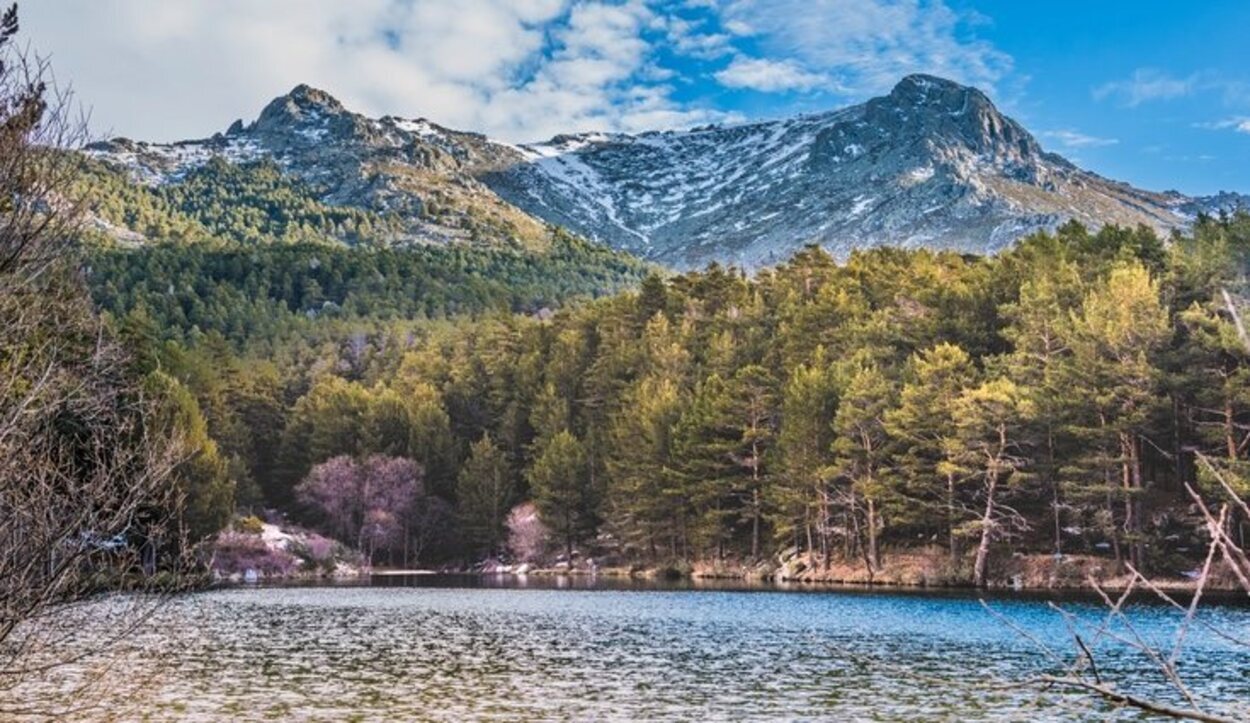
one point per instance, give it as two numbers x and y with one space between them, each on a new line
1045 399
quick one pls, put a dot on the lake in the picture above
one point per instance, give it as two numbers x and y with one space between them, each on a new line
452 648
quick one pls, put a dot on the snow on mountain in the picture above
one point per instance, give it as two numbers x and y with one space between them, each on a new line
933 164
412 168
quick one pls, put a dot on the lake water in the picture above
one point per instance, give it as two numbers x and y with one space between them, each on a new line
467 648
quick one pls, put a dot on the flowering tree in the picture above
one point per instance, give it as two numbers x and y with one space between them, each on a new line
527 535
370 502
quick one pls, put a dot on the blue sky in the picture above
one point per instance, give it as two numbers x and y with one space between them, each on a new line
1154 93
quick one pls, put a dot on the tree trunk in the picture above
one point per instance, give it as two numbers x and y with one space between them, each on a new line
807 524
1115 536
755 523
849 523
987 528
1230 435
874 557
1106 481
1139 548
950 516
826 516
1054 488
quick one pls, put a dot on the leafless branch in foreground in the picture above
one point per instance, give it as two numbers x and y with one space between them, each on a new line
86 500
41 204
87 503
1082 674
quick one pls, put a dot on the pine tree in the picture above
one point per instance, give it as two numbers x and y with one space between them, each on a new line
485 494
560 481
642 508
801 497
205 492
704 442
861 449
326 422
752 411
431 441
986 445
919 425
652 298
387 424
1038 330
1114 338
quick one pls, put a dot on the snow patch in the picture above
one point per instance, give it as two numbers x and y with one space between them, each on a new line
861 204
919 175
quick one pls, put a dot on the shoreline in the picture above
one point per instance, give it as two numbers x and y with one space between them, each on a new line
905 571
913 570
642 581
1170 585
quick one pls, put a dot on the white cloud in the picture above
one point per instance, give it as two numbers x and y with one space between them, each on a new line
1147 84
1075 139
690 38
769 76
866 46
517 69
1240 124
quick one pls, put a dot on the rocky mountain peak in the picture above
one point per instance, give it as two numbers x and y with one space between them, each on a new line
303 105
922 90
953 117
932 163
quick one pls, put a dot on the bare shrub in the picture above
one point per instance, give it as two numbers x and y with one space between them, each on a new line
86 503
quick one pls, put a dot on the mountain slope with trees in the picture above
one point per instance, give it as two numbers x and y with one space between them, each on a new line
1044 400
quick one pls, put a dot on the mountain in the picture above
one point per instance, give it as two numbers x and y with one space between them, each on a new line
412 170
933 163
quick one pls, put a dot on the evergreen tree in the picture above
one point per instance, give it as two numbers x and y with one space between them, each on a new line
861 449
1038 329
485 494
328 421
388 426
802 499
1121 326
431 441
752 411
986 445
704 442
560 481
925 481
643 509
205 492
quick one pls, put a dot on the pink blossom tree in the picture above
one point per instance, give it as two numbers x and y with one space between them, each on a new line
370 502
527 535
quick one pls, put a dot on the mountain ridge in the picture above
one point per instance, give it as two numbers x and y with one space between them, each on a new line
933 163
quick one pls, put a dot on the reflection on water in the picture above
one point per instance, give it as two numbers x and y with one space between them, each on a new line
446 648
